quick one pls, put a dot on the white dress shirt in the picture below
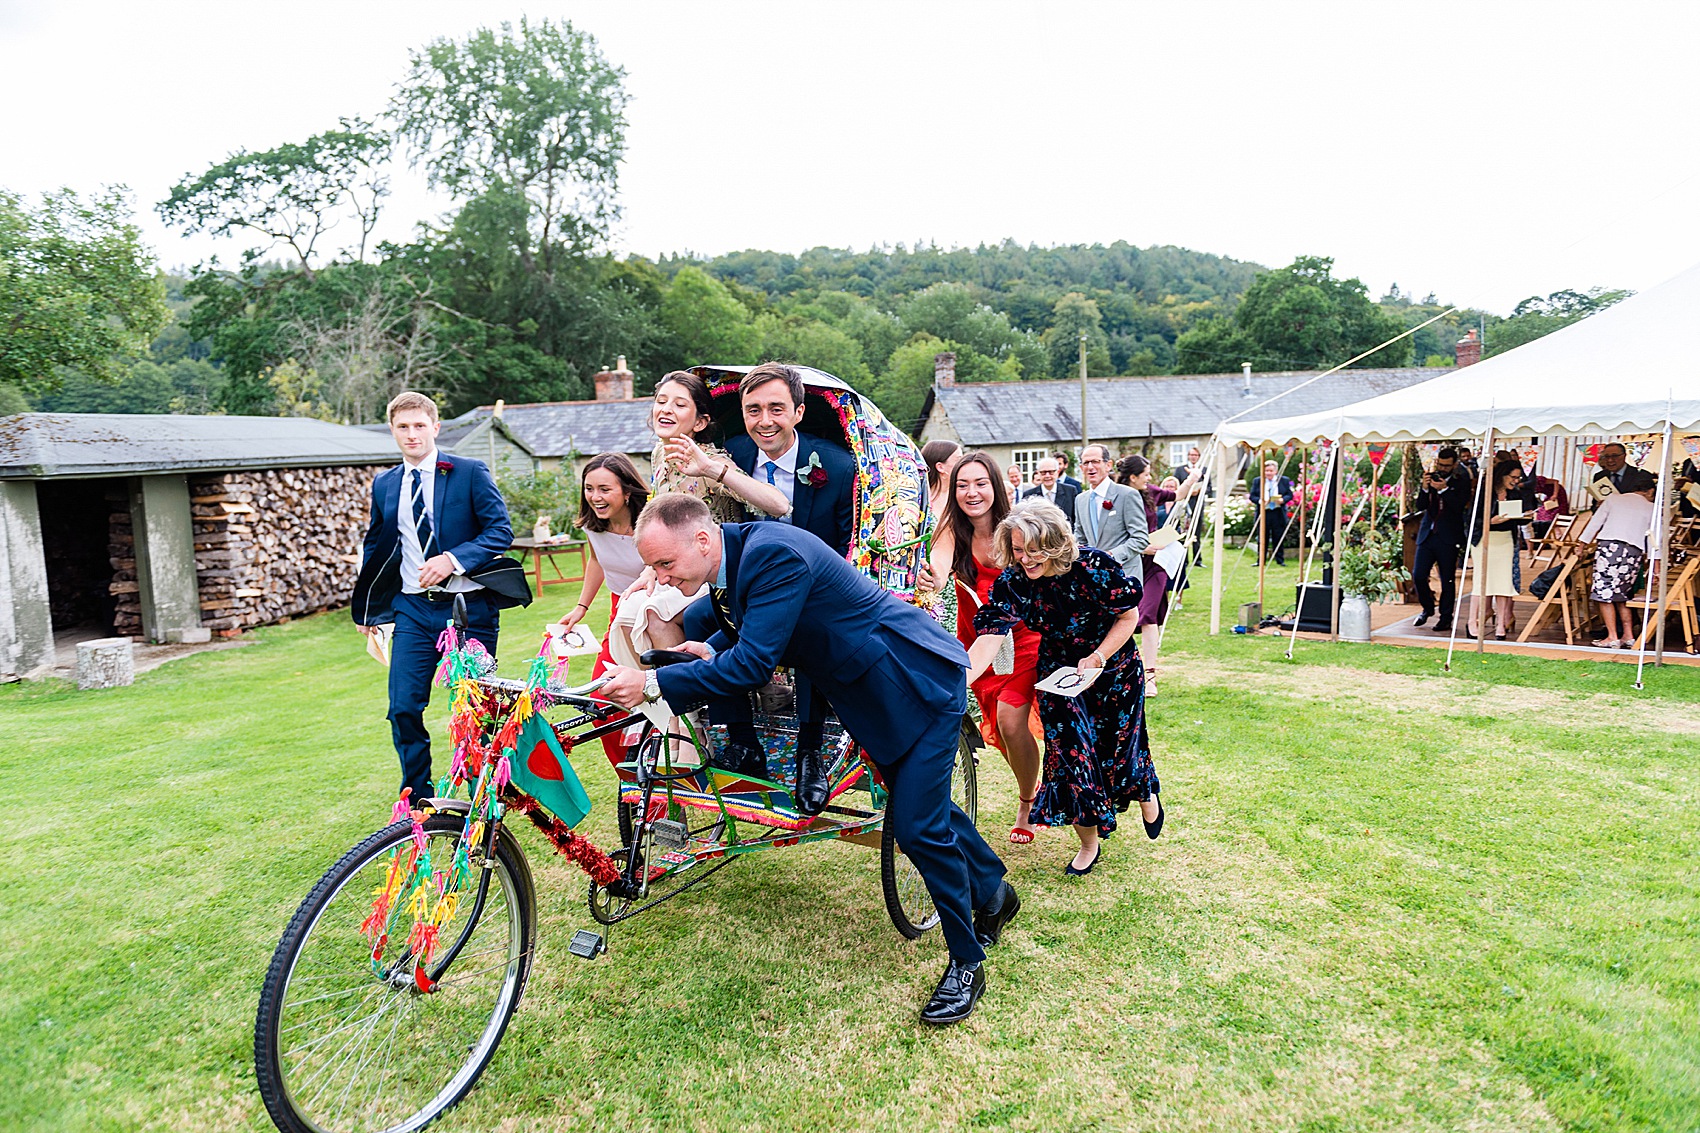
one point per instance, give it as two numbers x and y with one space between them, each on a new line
784 474
412 555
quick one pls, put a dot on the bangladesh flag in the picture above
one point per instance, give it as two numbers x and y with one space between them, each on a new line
540 769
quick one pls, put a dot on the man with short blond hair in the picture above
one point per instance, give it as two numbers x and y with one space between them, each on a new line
894 676
439 529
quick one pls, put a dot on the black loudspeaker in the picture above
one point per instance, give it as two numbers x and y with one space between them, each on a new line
1313 606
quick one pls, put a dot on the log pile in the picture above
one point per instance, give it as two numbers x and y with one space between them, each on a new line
271 545
121 549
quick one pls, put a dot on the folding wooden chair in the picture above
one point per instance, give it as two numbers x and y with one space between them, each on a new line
1552 543
1680 580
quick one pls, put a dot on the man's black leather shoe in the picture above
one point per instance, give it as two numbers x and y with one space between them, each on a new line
1443 626
954 999
989 921
811 793
1422 619
747 760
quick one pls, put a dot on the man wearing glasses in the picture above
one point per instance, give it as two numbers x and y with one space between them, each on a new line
1110 516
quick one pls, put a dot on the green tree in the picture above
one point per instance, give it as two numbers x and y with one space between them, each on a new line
1536 317
707 323
952 311
290 195
183 386
1071 315
809 342
1299 318
77 289
537 117
901 389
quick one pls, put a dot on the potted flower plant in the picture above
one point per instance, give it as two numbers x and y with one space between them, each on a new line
1371 570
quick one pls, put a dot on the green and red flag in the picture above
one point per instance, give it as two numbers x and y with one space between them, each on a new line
539 768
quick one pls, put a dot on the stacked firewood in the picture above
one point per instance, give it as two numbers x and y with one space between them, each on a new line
121 549
275 544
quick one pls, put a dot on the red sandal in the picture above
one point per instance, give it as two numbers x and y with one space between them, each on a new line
1019 836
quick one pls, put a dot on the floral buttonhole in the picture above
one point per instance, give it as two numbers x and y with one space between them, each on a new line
1109 505
443 466
812 473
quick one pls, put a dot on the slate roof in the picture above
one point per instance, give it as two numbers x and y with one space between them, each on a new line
1189 405
43 445
554 428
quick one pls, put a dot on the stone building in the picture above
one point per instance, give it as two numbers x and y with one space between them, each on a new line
173 527
524 438
1157 417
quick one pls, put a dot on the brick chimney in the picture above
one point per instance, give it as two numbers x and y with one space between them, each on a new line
1469 349
615 384
944 369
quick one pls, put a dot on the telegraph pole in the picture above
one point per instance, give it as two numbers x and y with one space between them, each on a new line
1084 434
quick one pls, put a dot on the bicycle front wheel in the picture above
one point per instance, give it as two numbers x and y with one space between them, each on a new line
343 1044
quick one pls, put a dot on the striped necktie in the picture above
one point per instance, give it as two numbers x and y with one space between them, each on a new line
421 517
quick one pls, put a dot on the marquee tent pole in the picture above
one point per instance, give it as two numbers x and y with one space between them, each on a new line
1262 529
1218 514
1335 485
1479 580
1659 539
1304 491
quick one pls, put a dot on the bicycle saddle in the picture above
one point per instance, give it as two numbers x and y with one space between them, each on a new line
656 658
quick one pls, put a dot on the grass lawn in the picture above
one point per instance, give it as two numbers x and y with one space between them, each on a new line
1386 898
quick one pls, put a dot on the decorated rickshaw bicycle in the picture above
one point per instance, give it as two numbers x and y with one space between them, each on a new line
398 974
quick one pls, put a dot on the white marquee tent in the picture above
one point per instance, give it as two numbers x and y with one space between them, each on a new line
1629 369
1634 368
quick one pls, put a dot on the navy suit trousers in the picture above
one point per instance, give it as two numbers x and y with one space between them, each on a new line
413 662
961 871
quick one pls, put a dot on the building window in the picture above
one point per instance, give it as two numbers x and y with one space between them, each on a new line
1027 459
1178 451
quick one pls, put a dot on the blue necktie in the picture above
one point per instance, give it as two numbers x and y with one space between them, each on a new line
421 517
771 469
1092 509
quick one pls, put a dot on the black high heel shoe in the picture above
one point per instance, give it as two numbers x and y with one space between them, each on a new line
1155 826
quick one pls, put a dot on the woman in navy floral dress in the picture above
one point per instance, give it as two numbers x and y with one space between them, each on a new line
1085 610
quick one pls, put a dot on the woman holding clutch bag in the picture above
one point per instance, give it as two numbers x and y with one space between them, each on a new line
962 551
1084 609
1498 569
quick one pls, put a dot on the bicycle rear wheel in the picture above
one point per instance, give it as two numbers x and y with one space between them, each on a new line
341 1046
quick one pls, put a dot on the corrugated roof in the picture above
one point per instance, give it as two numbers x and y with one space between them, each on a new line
1191 405
555 428
39 445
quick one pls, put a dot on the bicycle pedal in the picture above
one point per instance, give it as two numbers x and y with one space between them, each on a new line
670 835
587 945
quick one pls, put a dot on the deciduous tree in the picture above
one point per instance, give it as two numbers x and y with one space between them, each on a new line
77 289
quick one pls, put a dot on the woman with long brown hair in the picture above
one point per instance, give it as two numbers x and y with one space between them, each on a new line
684 460
611 496
962 551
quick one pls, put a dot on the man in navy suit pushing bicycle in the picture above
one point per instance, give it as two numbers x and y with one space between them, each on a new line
894 677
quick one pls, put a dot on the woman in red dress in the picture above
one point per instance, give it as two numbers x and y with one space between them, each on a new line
962 550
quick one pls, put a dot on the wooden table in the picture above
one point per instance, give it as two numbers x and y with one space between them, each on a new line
546 550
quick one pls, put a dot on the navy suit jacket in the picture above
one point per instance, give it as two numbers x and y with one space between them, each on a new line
828 510
1283 488
470 521
889 670
1066 495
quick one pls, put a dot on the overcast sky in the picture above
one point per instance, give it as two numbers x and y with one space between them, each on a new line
1481 151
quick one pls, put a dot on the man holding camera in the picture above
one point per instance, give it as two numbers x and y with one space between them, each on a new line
1444 503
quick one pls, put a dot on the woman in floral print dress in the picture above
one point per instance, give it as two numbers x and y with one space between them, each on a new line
1085 610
